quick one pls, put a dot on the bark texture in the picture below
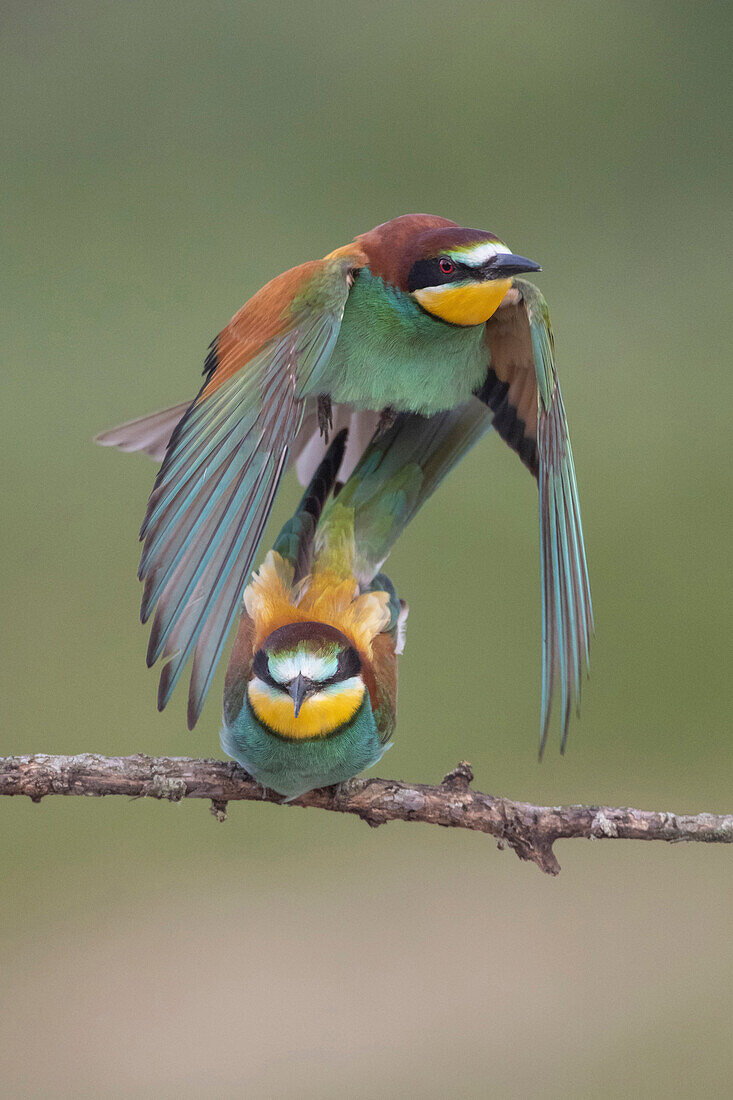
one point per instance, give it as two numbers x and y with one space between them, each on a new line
529 830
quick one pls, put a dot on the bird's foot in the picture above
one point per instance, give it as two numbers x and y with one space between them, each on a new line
325 415
387 418
460 778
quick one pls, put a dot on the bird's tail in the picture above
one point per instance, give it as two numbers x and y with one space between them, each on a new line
296 540
149 434
400 468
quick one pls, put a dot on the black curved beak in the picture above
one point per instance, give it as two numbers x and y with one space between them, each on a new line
297 690
506 264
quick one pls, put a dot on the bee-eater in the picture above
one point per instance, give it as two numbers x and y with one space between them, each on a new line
417 316
311 687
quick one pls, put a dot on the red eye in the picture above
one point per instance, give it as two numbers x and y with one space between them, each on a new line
447 267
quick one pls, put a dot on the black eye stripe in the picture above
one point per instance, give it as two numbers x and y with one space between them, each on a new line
349 664
429 273
261 669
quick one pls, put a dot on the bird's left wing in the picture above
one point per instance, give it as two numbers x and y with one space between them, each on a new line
523 392
222 467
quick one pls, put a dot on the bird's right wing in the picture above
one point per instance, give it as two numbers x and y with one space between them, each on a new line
223 464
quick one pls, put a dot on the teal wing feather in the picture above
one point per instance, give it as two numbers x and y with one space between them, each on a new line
215 489
523 392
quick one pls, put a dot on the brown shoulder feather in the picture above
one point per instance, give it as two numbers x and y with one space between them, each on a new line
239 669
510 389
382 684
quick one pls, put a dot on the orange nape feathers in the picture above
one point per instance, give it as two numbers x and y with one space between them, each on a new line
272 600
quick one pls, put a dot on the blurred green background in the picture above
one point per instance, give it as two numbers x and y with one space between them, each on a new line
160 162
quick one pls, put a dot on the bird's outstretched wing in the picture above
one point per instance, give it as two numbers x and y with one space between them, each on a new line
523 392
222 466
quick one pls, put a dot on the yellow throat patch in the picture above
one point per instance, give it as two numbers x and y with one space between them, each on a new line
319 715
470 304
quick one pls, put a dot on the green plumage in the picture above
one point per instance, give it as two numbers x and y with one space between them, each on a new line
391 353
293 767
397 473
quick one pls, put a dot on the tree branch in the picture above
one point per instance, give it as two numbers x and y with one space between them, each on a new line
529 830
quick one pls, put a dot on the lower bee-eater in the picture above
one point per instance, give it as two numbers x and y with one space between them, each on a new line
417 316
311 687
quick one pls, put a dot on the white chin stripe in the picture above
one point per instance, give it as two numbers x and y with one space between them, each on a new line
330 691
482 253
268 690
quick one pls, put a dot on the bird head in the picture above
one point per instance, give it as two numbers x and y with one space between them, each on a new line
455 274
306 681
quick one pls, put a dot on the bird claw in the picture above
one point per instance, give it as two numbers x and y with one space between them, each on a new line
460 777
325 415
387 418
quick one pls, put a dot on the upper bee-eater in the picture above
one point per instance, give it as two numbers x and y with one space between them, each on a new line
417 316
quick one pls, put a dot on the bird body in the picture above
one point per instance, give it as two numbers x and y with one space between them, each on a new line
417 318
294 766
311 687
340 727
